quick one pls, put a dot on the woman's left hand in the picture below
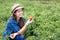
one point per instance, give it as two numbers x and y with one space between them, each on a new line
30 20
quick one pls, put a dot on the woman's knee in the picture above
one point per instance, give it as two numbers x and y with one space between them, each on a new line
22 36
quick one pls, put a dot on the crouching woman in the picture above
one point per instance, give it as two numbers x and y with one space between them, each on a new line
16 25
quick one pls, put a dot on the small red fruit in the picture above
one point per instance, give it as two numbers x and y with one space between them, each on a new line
12 35
30 18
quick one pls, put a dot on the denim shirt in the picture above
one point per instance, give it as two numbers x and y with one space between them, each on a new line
11 27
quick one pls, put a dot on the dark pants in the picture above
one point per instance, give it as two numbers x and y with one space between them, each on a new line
18 37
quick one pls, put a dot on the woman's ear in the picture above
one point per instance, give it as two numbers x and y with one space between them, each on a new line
15 13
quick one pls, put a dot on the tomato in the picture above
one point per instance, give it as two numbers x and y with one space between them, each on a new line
30 18
12 35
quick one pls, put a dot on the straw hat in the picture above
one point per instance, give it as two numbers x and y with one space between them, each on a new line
16 7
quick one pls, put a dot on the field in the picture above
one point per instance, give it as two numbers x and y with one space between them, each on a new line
46 14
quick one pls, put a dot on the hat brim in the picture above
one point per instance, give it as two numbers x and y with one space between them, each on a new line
19 8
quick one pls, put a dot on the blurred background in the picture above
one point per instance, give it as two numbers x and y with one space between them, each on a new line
46 14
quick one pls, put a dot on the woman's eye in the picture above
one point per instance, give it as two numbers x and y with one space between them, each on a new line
19 11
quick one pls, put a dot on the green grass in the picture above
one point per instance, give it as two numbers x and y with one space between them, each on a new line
46 14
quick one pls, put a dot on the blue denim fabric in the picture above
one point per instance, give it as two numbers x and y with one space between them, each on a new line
12 27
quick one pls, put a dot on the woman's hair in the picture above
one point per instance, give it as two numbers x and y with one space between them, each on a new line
14 10
14 16
21 22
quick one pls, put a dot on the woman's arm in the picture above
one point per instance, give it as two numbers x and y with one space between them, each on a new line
22 30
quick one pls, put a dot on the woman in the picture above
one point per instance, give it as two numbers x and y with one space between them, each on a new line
16 24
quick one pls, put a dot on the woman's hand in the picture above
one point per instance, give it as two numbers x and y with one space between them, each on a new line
12 36
30 20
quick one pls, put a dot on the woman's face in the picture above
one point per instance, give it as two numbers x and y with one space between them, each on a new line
19 13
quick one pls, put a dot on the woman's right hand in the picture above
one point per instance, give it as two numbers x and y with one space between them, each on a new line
12 36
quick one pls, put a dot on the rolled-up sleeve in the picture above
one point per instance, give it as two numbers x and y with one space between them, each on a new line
9 28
